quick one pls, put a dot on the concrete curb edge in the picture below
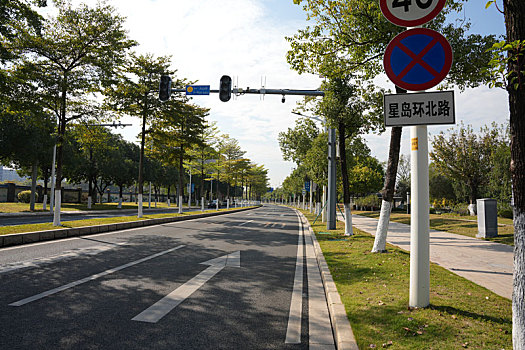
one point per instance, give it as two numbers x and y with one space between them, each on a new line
48 235
344 336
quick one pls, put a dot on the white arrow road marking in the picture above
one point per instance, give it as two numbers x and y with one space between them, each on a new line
90 278
162 307
246 222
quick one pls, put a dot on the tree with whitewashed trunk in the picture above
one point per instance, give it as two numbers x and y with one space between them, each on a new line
72 55
508 71
350 37
352 113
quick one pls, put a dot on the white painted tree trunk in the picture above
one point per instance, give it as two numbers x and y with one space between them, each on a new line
169 203
140 209
348 220
472 209
89 202
119 202
202 204
518 293
180 204
56 212
44 203
382 228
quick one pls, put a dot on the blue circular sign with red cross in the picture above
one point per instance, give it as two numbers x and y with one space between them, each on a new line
418 59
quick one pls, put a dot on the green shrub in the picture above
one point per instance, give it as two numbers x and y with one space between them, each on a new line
24 196
461 209
505 213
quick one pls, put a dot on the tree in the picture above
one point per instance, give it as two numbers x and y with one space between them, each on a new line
295 143
465 157
344 108
177 130
202 155
508 58
349 37
232 152
133 96
26 131
123 168
76 52
16 14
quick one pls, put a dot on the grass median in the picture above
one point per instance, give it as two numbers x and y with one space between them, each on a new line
4 230
374 289
24 207
461 225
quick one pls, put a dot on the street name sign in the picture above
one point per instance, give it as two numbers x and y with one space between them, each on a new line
418 59
411 13
197 90
422 108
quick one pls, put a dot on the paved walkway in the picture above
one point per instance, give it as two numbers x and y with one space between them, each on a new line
485 263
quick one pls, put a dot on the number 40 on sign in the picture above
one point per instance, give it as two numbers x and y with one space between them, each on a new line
411 13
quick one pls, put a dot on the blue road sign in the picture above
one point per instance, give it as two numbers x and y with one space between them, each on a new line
418 59
307 186
197 90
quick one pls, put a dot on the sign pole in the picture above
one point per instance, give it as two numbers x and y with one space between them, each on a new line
419 219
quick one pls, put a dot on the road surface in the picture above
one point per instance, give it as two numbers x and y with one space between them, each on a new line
236 281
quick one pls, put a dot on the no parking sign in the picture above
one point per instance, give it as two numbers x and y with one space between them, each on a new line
418 59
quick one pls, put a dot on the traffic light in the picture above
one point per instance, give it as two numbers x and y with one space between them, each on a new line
225 88
165 88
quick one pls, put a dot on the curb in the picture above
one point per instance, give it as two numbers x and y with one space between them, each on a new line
80 212
344 336
48 235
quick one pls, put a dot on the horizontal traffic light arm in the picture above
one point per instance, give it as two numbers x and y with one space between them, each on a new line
238 91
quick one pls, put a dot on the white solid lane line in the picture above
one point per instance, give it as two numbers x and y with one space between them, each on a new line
293 332
90 278
162 307
246 222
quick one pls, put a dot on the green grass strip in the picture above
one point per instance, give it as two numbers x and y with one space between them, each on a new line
375 287
461 225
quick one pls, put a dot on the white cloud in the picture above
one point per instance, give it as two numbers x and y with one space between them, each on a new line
245 39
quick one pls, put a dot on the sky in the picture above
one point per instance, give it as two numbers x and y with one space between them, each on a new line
246 40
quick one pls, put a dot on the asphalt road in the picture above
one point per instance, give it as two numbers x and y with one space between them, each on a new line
40 219
147 288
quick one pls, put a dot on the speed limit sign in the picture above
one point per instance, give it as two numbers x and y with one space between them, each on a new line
411 13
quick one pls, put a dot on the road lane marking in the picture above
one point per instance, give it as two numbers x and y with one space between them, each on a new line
293 331
246 222
283 225
90 278
162 307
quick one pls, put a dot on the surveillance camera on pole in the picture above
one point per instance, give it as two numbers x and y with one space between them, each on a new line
225 88
165 88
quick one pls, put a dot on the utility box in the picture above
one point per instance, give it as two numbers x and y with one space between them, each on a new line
487 218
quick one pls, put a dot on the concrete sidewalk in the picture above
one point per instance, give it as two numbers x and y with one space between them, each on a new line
485 263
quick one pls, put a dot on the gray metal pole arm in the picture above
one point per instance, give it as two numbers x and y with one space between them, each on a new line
239 91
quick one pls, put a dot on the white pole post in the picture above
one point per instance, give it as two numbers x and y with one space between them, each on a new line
149 198
202 204
52 194
180 203
189 192
419 219
311 195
